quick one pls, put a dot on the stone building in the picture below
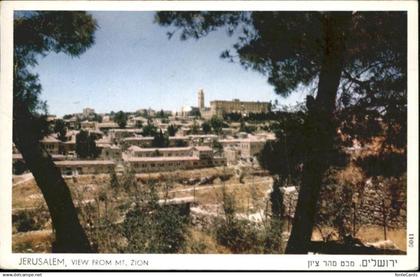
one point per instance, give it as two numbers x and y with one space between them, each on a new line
220 107
80 167
136 141
112 152
51 144
246 148
135 151
167 159
106 126
116 135
88 125
232 155
88 111
68 147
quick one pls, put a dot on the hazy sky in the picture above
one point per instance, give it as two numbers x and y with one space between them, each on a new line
133 65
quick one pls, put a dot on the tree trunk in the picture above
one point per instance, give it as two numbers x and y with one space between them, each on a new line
69 234
321 131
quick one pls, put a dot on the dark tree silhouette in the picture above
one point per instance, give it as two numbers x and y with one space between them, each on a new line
60 129
356 61
149 129
160 140
85 145
36 34
206 127
217 124
172 129
121 119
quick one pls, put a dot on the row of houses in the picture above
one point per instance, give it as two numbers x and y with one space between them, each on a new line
145 160
174 141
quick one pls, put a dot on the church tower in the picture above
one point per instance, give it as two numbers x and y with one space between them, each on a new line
201 99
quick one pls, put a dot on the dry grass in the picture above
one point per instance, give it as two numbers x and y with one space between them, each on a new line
26 195
199 242
370 234
34 241
376 233
351 174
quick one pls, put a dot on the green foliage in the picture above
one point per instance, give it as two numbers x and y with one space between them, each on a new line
24 222
129 182
246 128
244 236
60 129
139 124
95 117
86 145
149 130
276 199
284 156
36 34
19 167
151 227
180 143
30 220
273 237
206 127
160 140
288 48
388 164
162 114
172 129
232 117
217 124
196 113
121 119
114 183
217 146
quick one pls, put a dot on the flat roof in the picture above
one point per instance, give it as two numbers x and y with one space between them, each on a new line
242 140
203 148
50 139
131 130
239 101
161 159
84 162
165 149
137 138
53 156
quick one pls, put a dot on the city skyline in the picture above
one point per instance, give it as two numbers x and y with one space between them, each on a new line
124 70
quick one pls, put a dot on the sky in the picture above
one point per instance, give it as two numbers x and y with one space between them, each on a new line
134 65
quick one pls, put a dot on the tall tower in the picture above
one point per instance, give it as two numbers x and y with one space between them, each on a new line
201 99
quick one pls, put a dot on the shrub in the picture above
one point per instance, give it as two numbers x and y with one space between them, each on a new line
154 228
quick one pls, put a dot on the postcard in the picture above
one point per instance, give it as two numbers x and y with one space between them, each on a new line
209 135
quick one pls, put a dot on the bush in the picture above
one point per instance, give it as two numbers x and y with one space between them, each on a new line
244 236
29 220
154 228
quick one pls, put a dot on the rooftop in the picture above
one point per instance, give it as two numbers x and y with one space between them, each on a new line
166 149
84 162
137 138
160 159
50 139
